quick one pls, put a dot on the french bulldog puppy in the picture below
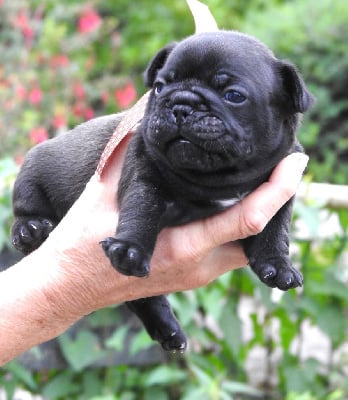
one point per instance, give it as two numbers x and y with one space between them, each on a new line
222 113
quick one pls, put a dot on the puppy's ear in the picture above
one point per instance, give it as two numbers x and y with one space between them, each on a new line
156 64
295 89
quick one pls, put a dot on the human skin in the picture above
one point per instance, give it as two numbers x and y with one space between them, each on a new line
69 276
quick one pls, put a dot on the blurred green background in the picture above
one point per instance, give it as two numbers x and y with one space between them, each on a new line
64 62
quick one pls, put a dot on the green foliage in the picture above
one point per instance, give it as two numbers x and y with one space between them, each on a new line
58 73
313 34
75 350
8 172
215 367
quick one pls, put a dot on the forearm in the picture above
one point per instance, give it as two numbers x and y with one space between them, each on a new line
47 291
27 314
39 301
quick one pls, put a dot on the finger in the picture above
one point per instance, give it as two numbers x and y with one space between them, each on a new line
260 206
223 259
290 170
172 276
251 215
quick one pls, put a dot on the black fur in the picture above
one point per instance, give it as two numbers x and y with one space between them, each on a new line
222 113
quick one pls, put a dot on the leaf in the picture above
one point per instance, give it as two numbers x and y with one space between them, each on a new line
212 300
106 397
298 396
241 388
336 395
328 286
92 385
332 322
231 327
83 351
140 341
165 375
22 374
288 328
9 387
185 306
156 393
343 218
194 393
204 378
117 340
259 336
299 376
61 386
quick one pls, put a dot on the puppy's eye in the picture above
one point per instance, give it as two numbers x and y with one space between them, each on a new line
158 87
233 96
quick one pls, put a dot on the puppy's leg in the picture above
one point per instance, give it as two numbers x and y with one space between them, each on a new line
268 252
158 318
34 217
139 223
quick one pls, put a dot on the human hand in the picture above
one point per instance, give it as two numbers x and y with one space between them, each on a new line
184 258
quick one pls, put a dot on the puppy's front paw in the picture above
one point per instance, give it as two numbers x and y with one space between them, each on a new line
29 232
176 341
126 257
281 274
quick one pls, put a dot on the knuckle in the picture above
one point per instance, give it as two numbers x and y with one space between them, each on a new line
287 192
253 222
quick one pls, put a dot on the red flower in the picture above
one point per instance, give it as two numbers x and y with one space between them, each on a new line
126 96
59 61
78 109
19 160
89 21
79 91
104 97
22 22
89 113
38 135
35 96
21 92
59 121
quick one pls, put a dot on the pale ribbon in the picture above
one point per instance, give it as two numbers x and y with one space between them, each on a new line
127 124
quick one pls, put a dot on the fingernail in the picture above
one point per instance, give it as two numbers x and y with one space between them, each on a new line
302 161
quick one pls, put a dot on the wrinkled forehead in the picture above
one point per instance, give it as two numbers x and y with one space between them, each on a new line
237 54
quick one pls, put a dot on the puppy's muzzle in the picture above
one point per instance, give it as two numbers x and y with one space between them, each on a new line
180 113
183 104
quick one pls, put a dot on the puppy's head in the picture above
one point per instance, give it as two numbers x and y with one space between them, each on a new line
221 105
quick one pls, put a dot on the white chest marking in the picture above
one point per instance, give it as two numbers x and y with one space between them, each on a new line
226 203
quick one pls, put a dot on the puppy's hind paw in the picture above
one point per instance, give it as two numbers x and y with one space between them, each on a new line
176 342
126 257
284 277
29 232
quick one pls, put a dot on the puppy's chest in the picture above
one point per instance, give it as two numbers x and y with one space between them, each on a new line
226 203
183 211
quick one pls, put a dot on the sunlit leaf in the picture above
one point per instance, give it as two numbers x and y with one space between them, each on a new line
82 351
164 375
61 386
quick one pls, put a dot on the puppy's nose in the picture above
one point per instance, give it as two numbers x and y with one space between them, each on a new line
181 112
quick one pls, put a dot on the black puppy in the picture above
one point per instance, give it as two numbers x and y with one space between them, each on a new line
222 113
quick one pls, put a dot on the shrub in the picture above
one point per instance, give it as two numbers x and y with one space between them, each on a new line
313 34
